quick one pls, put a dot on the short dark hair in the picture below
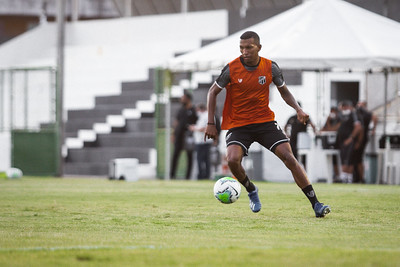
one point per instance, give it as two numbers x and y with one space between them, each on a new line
250 34
188 95
346 103
202 106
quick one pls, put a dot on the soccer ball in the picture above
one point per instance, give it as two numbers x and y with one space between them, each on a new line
227 190
13 173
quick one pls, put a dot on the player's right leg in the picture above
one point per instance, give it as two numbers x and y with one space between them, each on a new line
234 158
238 141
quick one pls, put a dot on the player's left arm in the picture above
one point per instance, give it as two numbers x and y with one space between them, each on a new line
278 80
291 101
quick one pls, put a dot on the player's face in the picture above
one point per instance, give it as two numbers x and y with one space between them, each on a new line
249 50
184 100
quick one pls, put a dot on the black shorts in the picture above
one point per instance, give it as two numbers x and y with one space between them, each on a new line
268 134
346 154
358 154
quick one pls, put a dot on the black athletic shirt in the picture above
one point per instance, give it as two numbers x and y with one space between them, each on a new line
277 77
346 126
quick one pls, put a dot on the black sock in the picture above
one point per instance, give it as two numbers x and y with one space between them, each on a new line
310 194
250 187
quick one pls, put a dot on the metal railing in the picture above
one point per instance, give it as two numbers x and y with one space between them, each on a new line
27 98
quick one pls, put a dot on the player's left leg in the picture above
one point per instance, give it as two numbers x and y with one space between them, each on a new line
284 152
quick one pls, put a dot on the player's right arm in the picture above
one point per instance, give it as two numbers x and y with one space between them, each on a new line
211 130
215 89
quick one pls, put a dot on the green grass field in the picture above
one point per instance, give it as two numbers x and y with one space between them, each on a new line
96 222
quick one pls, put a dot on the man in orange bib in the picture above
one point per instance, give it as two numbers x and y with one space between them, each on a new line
248 118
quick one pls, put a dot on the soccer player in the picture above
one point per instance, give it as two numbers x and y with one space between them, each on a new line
248 118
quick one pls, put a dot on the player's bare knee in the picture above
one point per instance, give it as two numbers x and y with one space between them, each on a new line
233 160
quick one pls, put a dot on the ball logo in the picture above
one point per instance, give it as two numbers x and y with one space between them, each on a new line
262 80
227 190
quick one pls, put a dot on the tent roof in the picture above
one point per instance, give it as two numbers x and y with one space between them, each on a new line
318 34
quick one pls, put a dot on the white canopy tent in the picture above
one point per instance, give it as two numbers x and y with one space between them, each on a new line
316 35
320 35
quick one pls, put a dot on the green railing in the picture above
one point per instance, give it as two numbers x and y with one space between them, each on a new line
28 107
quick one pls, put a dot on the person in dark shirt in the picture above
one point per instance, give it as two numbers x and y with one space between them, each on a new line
348 138
366 118
332 124
293 127
185 117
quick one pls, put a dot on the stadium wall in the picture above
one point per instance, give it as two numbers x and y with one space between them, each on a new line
102 54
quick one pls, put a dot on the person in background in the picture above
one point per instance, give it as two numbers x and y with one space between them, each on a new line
349 137
332 124
185 117
367 119
293 127
202 148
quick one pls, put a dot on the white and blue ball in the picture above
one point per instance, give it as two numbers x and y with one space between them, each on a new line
13 173
227 190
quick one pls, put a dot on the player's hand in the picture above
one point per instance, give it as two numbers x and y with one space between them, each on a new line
348 141
302 116
211 132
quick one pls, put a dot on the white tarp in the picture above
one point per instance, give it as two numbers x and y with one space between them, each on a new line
318 34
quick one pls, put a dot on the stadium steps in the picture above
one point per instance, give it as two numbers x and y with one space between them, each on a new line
134 139
103 155
124 139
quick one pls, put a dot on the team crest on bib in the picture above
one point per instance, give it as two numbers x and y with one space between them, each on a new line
262 80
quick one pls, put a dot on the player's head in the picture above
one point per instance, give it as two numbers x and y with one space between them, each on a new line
201 107
345 107
249 35
249 47
334 112
362 104
186 98
346 104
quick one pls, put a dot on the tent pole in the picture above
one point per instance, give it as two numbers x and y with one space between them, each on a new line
167 82
385 72
60 83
